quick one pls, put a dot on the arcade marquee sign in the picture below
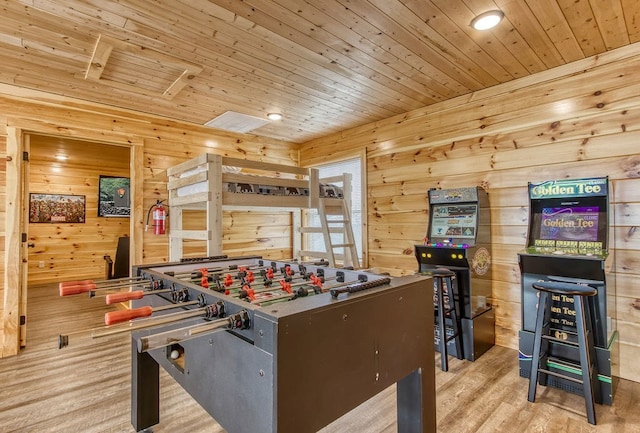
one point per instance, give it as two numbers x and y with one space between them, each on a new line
568 215
593 187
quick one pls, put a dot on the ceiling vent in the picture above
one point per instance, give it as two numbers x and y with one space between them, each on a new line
236 122
138 69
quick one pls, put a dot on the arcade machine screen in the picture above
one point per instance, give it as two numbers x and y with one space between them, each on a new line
570 227
459 221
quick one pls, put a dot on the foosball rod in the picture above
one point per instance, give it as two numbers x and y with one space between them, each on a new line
208 311
115 298
198 272
228 284
114 317
242 277
263 302
294 261
98 282
287 293
219 283
145 343
315 283
248 291
266 284
358 287
91 287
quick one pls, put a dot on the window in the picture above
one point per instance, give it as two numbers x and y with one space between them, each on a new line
353 166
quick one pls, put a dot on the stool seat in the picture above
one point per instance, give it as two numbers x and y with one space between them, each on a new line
561 288
439 272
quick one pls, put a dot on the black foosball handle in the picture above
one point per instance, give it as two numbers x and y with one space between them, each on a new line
358 287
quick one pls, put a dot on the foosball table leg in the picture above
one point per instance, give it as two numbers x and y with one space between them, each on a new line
145 390
416 399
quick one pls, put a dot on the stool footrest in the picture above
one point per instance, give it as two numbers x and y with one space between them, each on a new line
556 374
560 340
568 364
566 331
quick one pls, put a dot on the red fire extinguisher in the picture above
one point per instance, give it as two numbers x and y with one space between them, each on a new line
159 218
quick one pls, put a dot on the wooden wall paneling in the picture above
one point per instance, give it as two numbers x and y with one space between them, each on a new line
244 233
160 136
45 119
626 238
508 215
584 152
138 215
3 213
397 203
625 192
504 253
628 358
508 322
163 153
413 187
155 247
631 332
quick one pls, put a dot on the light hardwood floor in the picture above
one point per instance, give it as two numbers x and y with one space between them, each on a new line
85 388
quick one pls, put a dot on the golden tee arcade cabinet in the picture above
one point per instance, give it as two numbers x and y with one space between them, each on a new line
567 242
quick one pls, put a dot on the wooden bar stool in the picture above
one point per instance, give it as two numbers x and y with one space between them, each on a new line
584 333
445 310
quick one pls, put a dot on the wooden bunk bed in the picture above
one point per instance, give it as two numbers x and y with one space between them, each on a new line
211 183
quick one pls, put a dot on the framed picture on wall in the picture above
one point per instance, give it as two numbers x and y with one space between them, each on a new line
113 197
56 208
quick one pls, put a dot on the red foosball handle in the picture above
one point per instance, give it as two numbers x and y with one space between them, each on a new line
119 316
76 290
75 283
114 298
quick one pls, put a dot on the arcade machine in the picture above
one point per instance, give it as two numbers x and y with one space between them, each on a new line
458 239
567 242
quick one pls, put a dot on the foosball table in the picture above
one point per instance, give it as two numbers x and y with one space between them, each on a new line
273 346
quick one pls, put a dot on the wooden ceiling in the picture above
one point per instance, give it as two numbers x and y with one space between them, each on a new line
327 65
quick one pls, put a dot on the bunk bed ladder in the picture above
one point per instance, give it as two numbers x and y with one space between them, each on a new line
336 218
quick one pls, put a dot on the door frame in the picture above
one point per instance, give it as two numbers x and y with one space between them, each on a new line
15 258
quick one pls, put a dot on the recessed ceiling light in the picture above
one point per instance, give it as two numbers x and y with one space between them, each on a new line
274 116
487 20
